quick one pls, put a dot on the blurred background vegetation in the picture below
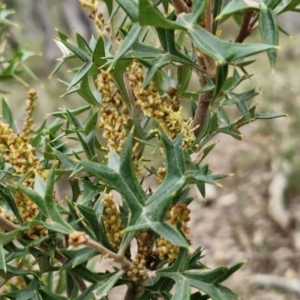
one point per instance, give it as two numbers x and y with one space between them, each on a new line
256 215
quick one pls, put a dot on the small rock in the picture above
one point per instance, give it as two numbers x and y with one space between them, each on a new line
227 200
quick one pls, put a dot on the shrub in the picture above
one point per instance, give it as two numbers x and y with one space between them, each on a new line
133 76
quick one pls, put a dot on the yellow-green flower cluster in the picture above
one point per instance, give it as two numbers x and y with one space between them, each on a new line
178 215
112 221
36 232
17 151
114 113
137 269
144 242
166 250
28 126
161 172
114 118
166 111
173 99
92 7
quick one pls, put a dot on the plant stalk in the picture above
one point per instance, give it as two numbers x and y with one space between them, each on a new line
211 68
245 29
180 7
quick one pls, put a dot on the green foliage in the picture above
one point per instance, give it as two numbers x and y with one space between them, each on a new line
154 39
11 65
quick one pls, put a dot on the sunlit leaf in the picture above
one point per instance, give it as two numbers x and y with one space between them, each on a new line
271 3
87 143
6 195
221 77
85 57
237 6
149 15
83 45
269 32
127 43
285 5
82 256
7 115
7 237
99 53
222 52
216 11
81 73
131 8
53 212
4 13
269 115
26 293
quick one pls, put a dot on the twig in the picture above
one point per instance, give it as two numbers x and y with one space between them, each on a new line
210 65
208 16
203 103
209 61
7 225
201 112
77 238
107 253
289 285
180 7
246 28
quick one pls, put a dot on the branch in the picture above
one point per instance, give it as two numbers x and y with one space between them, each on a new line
9 226
77 238
246 28
209 61
210 65
208 16
107 253
201 112
180 7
